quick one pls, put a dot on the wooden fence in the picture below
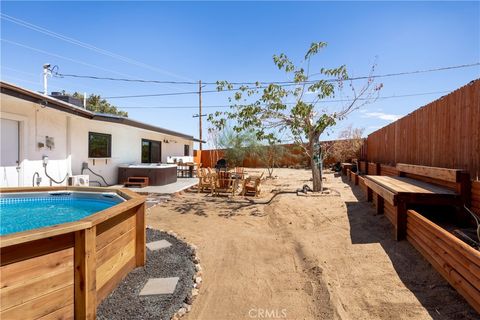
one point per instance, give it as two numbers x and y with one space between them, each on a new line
293 156
444 133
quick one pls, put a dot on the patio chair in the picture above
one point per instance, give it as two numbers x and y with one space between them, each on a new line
205 181
224 183
251 185
239 172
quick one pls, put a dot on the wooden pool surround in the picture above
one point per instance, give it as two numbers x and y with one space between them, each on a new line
65 271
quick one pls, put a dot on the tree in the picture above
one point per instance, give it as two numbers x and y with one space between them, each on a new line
237 145
270 155
96 103
213 140
272 111
348 145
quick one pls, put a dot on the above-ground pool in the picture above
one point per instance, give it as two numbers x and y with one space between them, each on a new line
27 211
64 249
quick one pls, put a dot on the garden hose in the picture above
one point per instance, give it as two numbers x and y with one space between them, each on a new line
477 220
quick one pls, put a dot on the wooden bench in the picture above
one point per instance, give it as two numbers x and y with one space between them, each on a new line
404 191
138 182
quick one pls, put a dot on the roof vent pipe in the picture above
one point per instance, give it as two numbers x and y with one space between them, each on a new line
46 73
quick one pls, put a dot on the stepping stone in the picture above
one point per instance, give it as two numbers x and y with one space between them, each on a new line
157 245
157 286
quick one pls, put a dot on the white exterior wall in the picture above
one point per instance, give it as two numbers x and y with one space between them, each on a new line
70 133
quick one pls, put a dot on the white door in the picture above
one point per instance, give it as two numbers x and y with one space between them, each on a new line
9 153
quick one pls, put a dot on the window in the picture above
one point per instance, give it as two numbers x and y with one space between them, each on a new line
186 150
99 145
151 151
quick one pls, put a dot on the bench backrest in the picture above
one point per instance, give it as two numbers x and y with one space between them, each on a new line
445 174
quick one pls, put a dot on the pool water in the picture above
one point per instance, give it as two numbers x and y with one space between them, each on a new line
27 211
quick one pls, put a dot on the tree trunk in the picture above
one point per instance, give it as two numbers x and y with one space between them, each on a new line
316 161
317 176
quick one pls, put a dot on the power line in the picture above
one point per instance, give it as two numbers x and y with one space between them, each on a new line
184 93
153 68
62 75
160 94
39 82
413 72
86 45
291 103
61 57
40 75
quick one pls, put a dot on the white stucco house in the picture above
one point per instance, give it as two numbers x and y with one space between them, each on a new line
36 128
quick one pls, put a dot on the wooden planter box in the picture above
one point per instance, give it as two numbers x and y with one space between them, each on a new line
362 166
456 261
373 168
354 177
64 271
345 167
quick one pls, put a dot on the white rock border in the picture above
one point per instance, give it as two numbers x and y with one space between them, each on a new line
197 277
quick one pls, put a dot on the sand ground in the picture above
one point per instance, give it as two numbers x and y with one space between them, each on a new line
300 257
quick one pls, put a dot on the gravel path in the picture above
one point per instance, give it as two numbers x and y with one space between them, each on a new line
174 261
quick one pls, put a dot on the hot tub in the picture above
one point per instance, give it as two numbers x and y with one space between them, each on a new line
158 174
64 249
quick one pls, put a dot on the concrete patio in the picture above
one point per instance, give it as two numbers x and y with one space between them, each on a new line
181 185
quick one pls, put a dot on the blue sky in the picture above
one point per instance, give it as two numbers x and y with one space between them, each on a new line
235 41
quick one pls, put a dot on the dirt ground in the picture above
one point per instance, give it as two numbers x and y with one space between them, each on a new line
297 257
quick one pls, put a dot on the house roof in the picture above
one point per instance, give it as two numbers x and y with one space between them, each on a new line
51 102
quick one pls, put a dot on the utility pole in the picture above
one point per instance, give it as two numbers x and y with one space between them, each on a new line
200 112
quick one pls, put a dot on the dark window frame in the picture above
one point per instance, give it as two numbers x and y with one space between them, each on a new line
149 160
108 153
186 150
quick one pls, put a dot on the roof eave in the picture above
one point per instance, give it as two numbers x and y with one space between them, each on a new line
47 101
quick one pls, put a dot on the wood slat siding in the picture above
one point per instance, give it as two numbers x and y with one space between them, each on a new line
390 212
476 196
444 133
44 305
372 168
43 283
361 183
457 262
111 230
438 182
35 248
65 313
445 174
354 178
375 200
388 171
362 166
115 249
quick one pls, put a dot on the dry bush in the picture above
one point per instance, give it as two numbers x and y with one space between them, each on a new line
347 147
